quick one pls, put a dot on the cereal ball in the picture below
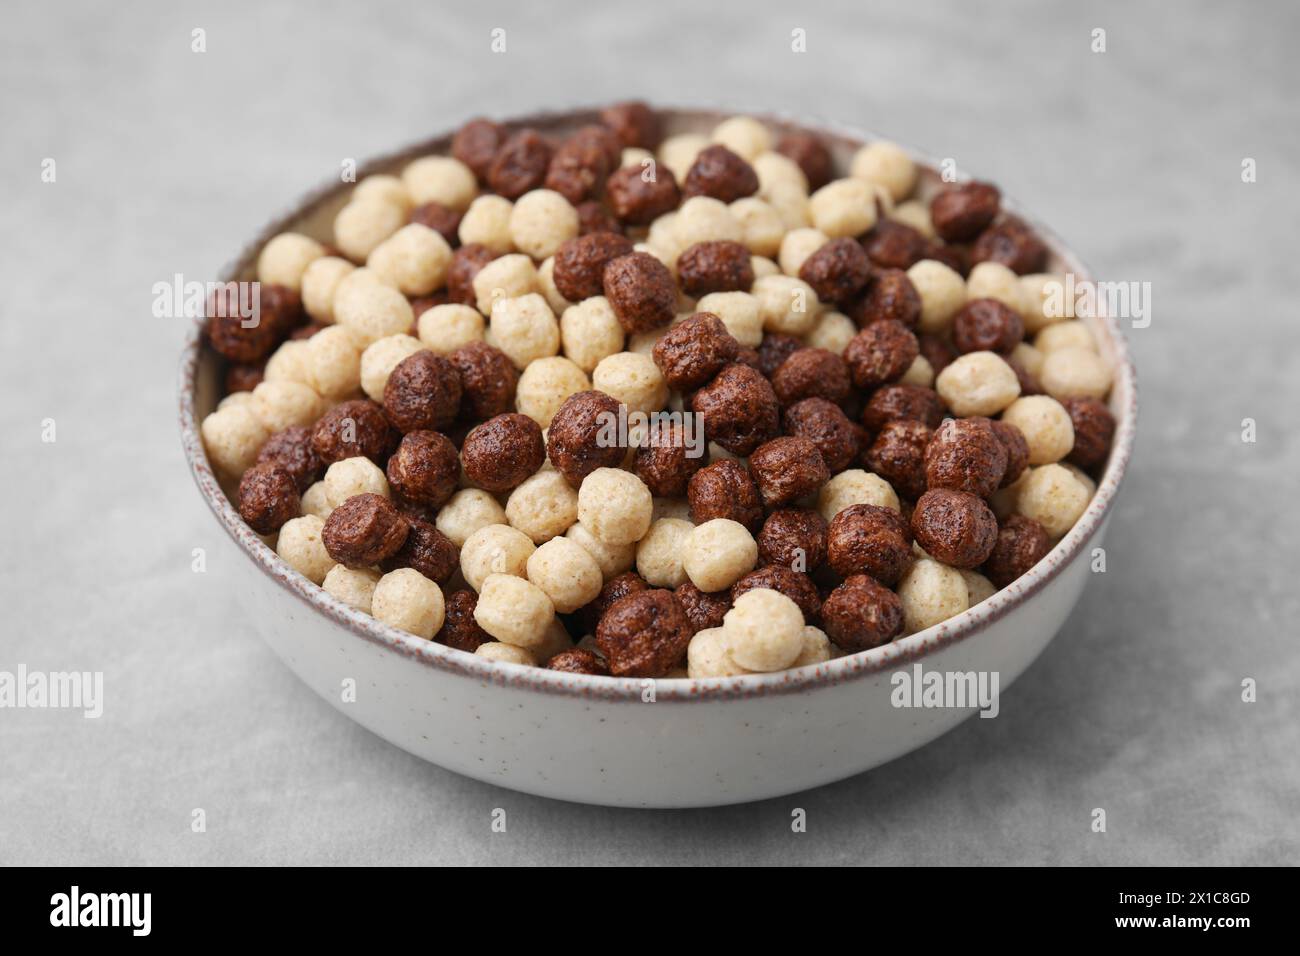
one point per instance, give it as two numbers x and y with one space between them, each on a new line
615 506
644 634
414 260
936 351
244 378
885 164
589 332
704 219
1046 425
291 449
694 350
837 271
425 468
488 379
978 587
1054 497
795 585
791 203
616 588
719 173
353 586
301 547
738 312
854 487
978 383
869 539
486 224
503 653
890 295
824 424
545 385
369 309
364 530
284 259
440 179
966 454
833 332
524 328
902 403
916 214
566 573
513 610
1094 428
942 293
793 538
919 373
499 454
505 279
898 455
634 123
583 436
895 245
861 614
739 409
640 195
986 325
427 550
743 135
844 207
962 211
580 263
268 497
786 305
578 169
1017 449
717 553
955 527
1043 301
811 373
762 225
708 267
422 393
543 506
668 458
351 477
641 291
333 362
476 143
363 224
441 219
807 152
578 661
709 655
1012 243
232 437
992 280
1075 373
319 281
520 164
724 489
930 593
703 610
381 357
764 630
459 629
881 353
494 549
1064 335
816 648
467 511
388 188
798 246
350 429
1021 543
445 328
786 469
659 553
541 221
632 379
679 152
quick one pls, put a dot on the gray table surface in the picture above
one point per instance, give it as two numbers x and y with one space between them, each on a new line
167 160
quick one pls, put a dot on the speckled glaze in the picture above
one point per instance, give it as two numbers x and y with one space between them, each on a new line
632 742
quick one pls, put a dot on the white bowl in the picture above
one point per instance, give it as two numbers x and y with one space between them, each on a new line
633 742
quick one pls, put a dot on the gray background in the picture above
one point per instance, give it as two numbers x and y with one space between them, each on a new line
169 160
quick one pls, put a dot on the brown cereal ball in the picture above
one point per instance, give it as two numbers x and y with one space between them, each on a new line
576 441
724 489
795 585
703 610
644 634
230 337
364 530
465 265
578 661
963 211
869 539
954 527
476 144
955 257
721 266
881 353
425 468
1017 449
268 497
441 219
244 378
824 423
811 373
422 393
898 456
459 629
775 348
427 550
634 123
719 173
966 454
487 378
580 264
641 291
786 469
902 402
520 165
1094 429
936 351
739 408
352 429
1012 243
665 462
837 271
593 218
811 155
638 198
1021 543
578 169
292 450
614 590
895 245
794 538
499 454
861 614
694 350
986 325
889 296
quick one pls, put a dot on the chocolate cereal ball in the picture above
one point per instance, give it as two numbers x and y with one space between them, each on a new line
441 219
898 456
638 198
465 265
1094 429
861 614
268 497
1012 243
795 585
703 610
1016 447
459 629
739 408
578 661
665 463
292 450
499 454
352 429
837 271
488 379
965 454
961 212
786 469
720 174
644 634
936 351
824 423
954 527
895 245
811 156
869 539
694 350
616 588
593 217
476 144
725 489
986 325
775 348
422 393
634 123
641 291
427 550
364 530
881 353
902 402
425 468
811 373
578 168
719 266
520 165
1021 543
580 264
794 538
890 295
581 439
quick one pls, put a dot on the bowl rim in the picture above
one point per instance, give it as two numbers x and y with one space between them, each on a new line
902 651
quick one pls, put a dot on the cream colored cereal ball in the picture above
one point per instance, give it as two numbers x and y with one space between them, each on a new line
661 240
495 549
659 554
816 648
487 223
797 246
546 283
709 655
353 476
1083 478
414 260
786 304
1030 359
833 332
738 312
334 360
1072 372
885 164
540 221
1003 501
467 511
589 332
762 225
281 405
233 435
291 362
554 641
775 171
718 553
635 156
993 280
672 508
545 384
509 277
678 152
383 187
301 547
613 559
920 372
791 204
445 328
237 398
369 309
978 587
931 592
705 219
854 487
440 179
542 506
284 259
764 629
1044 301
1064 335
942 291
915 214
633 379
744 136
566 573
1053 497
615 506
381 357
977 383
524 328
845 207
319 281
353 586
407 600
1046 425
503 653
362 225
513 610
316 502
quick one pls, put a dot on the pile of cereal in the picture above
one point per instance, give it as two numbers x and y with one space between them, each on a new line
696 406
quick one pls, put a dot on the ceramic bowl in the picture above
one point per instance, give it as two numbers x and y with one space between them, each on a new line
630 742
